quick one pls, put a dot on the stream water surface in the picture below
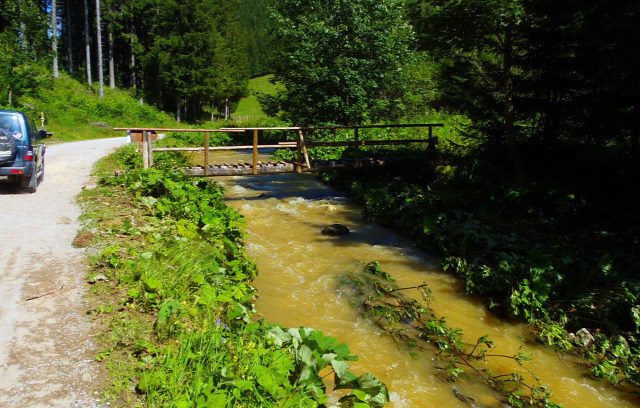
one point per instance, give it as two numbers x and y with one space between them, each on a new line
299 285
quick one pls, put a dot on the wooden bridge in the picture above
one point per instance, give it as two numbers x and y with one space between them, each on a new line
146 137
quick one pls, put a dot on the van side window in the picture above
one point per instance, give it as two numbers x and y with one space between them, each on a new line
32 129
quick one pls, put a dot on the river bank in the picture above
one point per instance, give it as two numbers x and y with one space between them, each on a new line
300 278
172 290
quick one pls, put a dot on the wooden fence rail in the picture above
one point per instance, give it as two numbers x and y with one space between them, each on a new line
146 136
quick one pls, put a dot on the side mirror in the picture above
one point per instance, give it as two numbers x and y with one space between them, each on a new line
42 134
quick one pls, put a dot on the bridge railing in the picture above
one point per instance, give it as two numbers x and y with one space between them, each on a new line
146 137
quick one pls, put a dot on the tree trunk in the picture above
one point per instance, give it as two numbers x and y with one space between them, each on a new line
179 110
509 114
99 41
112 64
69 40
23 29
87 43
133 67
54 38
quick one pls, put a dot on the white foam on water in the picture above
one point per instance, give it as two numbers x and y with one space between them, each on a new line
287 209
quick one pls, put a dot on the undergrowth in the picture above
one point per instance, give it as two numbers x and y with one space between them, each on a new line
172 286
559 251
414 324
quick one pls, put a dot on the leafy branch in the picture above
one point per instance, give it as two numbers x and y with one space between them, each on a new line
416 325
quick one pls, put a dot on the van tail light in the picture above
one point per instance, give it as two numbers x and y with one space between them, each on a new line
28 156
15 171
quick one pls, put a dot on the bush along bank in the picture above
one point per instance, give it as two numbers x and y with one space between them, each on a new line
559 252
414 323
172 287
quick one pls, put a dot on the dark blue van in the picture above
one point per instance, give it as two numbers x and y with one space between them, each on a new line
21 152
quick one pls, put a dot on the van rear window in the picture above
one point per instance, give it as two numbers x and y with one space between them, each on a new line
11 123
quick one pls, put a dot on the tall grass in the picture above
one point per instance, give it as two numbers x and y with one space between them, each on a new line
73 111
249 108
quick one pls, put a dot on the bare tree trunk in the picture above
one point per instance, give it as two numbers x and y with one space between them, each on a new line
509 114
54 37
99 41
69 40
213 104
179 110
132 66
87 43
112 64
226 109
23 29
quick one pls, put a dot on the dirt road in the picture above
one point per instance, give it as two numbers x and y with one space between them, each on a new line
47 345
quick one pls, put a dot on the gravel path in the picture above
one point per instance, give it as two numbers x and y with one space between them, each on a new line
46 345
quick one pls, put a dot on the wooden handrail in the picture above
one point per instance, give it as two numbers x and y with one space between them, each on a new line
301 145
408 125
139 129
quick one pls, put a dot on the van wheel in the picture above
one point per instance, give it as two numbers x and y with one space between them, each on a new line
41 172
30 183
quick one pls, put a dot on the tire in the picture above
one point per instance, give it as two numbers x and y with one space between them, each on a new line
8 146
42 175
30 183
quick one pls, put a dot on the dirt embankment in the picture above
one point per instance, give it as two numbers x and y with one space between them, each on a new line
47 345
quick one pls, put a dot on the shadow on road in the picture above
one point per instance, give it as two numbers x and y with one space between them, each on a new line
11 189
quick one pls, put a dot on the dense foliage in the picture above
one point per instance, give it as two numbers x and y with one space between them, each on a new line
194 55
177 297
23 49
538 214
552 252
184 56
338 60
537 70
413 323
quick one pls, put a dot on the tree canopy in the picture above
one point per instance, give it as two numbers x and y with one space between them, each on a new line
337 59
538 70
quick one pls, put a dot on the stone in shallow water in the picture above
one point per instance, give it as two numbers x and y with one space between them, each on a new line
335 229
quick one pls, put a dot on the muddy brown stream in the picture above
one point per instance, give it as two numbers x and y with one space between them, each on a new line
299 286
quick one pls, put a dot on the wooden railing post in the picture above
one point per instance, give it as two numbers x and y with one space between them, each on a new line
432 143
145 151
206 153
255 152
356 152
150 147
304 148
299 153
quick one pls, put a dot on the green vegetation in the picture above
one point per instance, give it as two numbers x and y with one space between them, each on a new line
249 107
532 201
172 285
74 112
339 62
23 50
414 324
552 253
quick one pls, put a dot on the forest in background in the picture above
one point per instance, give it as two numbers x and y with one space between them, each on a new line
520 70
536 210
185 57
